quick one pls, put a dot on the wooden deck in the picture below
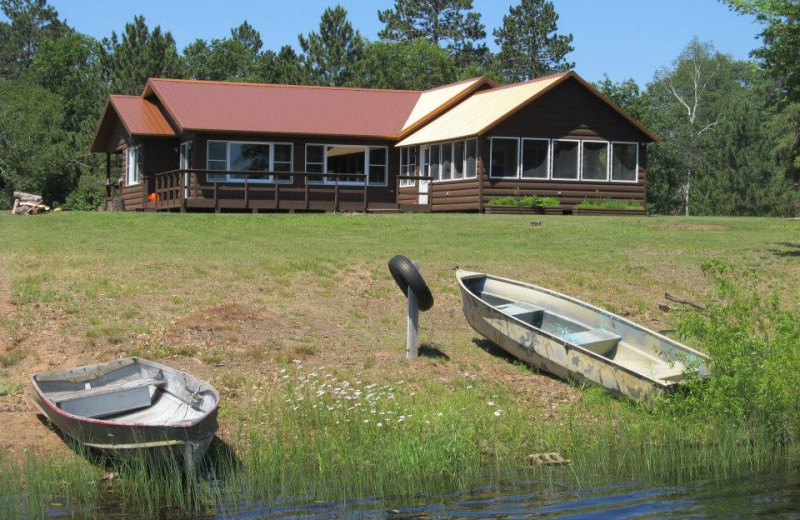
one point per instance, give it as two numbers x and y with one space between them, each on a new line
182 190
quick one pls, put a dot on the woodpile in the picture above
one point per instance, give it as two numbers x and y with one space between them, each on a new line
28 204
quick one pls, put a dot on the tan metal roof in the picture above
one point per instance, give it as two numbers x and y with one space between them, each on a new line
433 101
483 110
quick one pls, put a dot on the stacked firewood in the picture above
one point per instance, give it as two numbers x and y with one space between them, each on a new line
28 204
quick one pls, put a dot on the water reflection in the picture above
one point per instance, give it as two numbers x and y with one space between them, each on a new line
769 495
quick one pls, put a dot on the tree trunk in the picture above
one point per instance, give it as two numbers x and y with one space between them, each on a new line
27 197
686 192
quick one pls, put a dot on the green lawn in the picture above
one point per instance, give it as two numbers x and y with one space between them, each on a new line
236 299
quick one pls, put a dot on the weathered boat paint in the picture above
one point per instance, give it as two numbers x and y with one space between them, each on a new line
559 354
182 419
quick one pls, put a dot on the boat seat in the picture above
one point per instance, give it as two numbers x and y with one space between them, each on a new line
526 312
110 399
671 372
599 341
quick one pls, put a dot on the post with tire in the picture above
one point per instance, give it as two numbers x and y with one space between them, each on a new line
407 276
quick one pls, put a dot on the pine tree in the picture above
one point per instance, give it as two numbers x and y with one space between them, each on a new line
31 22
138 55
448 23
330 54
529 44
284 67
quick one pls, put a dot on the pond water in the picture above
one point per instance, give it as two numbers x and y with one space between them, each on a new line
763 495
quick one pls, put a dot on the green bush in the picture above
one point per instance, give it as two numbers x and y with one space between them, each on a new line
528 200
610 204
87 197
754 346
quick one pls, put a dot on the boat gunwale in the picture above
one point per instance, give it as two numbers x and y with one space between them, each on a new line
184 425
462 275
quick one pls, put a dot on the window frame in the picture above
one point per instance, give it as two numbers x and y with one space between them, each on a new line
466 158
491 151
611 162
547 161
608 159
404 153
326 181
212 177
578 165
136 151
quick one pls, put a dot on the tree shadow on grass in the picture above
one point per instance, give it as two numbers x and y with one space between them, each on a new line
791 249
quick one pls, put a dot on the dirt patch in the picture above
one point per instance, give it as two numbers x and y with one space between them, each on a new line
696 227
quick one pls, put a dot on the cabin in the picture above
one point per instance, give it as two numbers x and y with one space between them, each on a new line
192 145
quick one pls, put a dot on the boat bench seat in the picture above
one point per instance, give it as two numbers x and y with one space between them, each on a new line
521 310
671 372
110 399
599 341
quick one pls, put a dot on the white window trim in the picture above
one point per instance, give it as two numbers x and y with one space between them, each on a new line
133 166
553 158
548 164
611 162
269 180
608 160
406 183
491 150
367 164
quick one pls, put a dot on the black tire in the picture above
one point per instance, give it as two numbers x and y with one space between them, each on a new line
406 275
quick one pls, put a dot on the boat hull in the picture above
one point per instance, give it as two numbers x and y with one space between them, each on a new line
187 439
552 354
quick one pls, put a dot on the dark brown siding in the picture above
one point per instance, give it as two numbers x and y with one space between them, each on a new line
133 197
569 112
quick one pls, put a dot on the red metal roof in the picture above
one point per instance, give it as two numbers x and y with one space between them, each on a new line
285 109
141 116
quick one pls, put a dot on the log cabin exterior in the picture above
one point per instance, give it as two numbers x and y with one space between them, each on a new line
218 146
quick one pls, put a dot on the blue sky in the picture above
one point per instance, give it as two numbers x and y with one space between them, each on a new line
624 38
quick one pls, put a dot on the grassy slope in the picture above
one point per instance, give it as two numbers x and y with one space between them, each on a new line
235 298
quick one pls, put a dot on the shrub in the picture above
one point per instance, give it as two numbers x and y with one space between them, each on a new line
528 200
754 346
610 204
87 197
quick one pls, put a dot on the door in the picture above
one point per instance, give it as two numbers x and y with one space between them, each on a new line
185 164
423 171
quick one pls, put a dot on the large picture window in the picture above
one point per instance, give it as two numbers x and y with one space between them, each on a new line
447 162
248 157
565 159
535 158
624 162
505 155
433 161
458 160
132 160
594 161
348 159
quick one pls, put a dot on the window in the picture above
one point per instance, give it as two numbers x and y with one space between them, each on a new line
472 158
433 161
565 159
447 161
535 158
625 162
347 159
377 165
248 157
594 157
504 157
458 160
132 165
408 165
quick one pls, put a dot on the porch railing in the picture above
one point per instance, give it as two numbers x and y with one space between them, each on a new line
173 189
414 190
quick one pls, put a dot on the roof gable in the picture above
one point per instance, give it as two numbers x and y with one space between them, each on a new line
485 109
139 117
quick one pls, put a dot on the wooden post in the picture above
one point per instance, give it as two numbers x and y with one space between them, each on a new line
246 192
412 327
305 191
